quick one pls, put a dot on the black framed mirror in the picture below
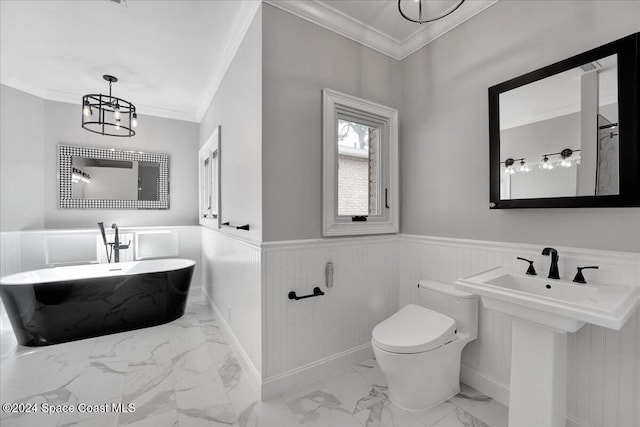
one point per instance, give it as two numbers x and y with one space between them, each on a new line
566 135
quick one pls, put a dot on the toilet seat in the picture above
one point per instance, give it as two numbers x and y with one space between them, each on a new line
413 329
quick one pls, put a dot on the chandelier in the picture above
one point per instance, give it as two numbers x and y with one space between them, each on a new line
434 13
107 114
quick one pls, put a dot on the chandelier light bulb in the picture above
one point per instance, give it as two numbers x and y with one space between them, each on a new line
134 120
116 112
86 109
117 126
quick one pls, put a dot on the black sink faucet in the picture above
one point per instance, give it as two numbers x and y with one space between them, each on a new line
553 269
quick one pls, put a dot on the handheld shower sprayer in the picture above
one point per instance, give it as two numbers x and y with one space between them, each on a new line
104 239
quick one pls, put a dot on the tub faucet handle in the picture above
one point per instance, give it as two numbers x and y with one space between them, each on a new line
530 271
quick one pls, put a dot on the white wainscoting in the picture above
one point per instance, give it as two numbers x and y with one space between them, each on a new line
604 365
232 281
305 338
10 253
156 244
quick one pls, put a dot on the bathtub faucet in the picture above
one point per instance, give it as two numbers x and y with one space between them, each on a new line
112 248
117 245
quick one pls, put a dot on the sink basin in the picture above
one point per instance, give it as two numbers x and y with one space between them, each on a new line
544 310
557 304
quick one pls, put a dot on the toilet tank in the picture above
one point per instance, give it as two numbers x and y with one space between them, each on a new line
459 305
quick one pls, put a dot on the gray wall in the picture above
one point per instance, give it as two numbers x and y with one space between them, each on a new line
444 123
236 107
21 160
32 203
299 60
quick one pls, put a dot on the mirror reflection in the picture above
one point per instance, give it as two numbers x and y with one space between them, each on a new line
559 135
96 178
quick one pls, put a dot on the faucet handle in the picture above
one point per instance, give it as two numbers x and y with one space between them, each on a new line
580 277
530 271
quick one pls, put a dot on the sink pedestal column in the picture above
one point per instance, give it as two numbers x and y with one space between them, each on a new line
538 387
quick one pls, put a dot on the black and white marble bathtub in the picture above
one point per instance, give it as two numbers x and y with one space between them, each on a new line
61 304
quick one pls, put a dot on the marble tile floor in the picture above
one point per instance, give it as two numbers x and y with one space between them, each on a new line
185 374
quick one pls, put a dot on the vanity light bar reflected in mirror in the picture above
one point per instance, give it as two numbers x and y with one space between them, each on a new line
540 119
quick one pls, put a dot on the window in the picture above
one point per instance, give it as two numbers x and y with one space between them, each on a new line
209 177
360 166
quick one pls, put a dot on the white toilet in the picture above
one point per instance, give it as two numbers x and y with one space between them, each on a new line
418 349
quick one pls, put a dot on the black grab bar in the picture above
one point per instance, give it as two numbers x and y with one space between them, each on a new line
237 227
316 293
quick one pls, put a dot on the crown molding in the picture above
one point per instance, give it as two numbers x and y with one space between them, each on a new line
21 85
241 23
334 20
434 30
338 22
76 98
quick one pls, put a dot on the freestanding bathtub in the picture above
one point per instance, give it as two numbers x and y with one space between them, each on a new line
61 304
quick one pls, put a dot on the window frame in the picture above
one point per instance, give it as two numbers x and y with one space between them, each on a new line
209 200
335 106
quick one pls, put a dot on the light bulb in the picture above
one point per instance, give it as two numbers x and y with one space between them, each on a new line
523 167
116 112
134 120
86 109
118 123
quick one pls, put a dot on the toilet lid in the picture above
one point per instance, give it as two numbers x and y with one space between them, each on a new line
413 329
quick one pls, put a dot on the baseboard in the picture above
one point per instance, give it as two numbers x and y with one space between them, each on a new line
311 372
485 383
253 374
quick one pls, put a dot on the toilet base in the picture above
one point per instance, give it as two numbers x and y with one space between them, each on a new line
419 381
399 405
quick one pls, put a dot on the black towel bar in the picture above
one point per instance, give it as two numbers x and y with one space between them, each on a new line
316 293
237 227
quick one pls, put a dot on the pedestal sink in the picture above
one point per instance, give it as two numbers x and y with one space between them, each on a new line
544 311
